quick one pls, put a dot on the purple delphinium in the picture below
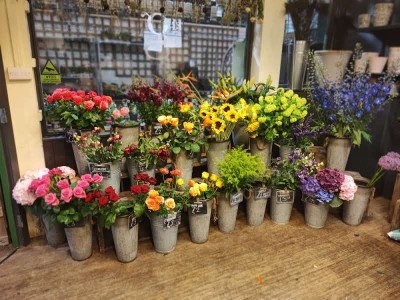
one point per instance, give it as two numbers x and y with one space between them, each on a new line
390 161
330 179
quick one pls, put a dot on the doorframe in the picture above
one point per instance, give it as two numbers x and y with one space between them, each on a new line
9 171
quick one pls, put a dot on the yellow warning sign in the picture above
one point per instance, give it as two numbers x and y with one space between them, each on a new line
50 74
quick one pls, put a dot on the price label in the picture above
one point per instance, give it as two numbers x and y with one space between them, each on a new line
141 167
172 220
236 198
284 196
199 207
101 169
132 221
156 129
69 136
262 193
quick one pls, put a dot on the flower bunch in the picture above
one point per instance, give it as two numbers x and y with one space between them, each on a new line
65 197
163 206
220 119
106 209
78 109
183 130
328 186
348 107
275 115
174 181
388 162
121 117
95 150
147 152
21 192
225 90
206 188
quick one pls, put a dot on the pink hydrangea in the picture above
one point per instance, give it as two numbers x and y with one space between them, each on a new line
67 172
348 188
21 192
390 161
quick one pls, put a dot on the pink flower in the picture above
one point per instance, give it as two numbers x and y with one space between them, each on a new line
348 188
66 194
63 184
390 161
116 114
42 190
124 111
51 199
79 192
97 178
21 192
83 184
87 177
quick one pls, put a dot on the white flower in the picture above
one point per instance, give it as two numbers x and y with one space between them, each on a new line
20 192
67 172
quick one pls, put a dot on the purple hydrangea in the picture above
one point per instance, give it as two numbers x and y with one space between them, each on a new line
309 185
330 180
390 161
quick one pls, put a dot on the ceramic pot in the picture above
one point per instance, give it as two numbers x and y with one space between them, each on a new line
331 65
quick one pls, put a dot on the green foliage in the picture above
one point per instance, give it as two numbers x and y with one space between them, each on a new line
240 170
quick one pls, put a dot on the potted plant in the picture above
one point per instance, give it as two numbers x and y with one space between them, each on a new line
202 194
103 157
328 187
285 180
238 170
143 157
69 199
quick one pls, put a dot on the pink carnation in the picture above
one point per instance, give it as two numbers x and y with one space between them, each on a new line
79 192
42 190
97 178
87 177
63 184
83 184
51 199
66 194
124 111
348 188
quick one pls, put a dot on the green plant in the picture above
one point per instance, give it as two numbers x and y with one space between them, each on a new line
240 170
95 150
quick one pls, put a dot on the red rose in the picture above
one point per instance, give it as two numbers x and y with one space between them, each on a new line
81 93
138 177
57 95
113 197
49 99
103 105
109 190
97 194
152 181
103 200
108 99
77 100
97 100
55 171
145 176
92 94
135 189
89 105
89 198
145 188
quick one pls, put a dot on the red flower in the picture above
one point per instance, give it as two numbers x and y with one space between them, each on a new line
108 99
49 99
103 200
96 99
103 105
55 171
89 105
109 190
152 181
78 100
92 94
89 198
113 197
97 194
145 176
145 188
135 189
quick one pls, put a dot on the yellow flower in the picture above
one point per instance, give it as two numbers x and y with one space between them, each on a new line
226 108
153 193
262 119
278 123
162 120
303 114
215 109
270 108
168 118
194 191
253 126
203 113
170 203
203 186
293 119
289 93
205 105
188 126
219 184
180 181
261 99
287 112
213 177
205 175
232 116
269 99
174 122
242 102
218 125
184 108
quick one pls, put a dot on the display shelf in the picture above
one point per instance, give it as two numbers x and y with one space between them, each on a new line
389 35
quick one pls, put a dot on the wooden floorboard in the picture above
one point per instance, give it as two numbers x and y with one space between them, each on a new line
266 262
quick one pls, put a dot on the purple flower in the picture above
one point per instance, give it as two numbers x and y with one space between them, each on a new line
323 196
390 161
309 185
330 180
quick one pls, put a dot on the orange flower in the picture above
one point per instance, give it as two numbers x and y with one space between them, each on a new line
176 172
152 204
188 126
185 107
164 171
170 203
153 193
169 179
159 199
191 182
174 122
207 122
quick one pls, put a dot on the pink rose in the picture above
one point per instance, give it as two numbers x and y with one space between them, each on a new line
116 114
63 184
83 184
348 188
42 190
124 111
87 177
66 194
51 199
79 192
97 178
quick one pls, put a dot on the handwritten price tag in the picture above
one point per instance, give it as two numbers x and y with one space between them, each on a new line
157 129
172 220
199 207
132 221
262 193
236 198
284 196
101 169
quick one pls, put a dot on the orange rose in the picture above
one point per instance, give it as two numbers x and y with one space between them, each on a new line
159 199
174 122
191 182
152 204
164 171
176 172
169 180
153 193
170 203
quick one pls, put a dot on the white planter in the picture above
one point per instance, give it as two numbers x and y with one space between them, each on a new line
331 64
377 64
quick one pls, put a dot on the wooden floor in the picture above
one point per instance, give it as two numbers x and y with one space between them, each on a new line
266 262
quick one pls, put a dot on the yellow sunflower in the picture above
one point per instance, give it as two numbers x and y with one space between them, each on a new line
203 113
227 108
215 109
218 125
232 116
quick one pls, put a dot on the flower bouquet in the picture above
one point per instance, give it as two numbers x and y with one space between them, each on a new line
388 162
78 109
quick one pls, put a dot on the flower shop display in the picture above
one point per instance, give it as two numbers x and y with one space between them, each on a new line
353 211
347 108
67 199
238 170
273 118
54 231
104 157
202 195
163 207
285 180
183 134
143 157
328 187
